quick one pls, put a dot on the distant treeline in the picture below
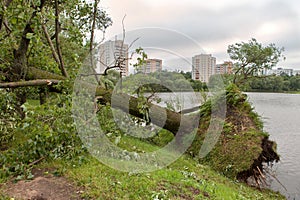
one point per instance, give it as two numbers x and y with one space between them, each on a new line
272 83
163 81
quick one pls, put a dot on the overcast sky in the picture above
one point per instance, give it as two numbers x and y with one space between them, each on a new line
176 30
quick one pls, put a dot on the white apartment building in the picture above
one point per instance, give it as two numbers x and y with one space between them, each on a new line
203 67
280 71
114 53
151 65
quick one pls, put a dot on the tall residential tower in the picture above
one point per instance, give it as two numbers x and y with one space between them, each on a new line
203 67
112 53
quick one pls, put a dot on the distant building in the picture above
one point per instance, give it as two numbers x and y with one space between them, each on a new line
224 68
203 67
280 71
113 52
296 72
151 65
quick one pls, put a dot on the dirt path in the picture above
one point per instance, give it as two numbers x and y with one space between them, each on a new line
42 187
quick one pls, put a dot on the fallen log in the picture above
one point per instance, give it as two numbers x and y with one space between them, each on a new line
39 82
173 120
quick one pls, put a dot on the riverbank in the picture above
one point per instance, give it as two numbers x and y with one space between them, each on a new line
87 178
56 150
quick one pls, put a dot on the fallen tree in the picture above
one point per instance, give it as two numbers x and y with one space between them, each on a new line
242 148
38 82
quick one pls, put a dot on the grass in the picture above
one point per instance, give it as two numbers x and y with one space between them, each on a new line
183 179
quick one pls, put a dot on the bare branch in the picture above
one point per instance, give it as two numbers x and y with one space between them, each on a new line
38 82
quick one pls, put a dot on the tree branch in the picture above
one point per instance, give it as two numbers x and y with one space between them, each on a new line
35 73
55 56
57 29
38 82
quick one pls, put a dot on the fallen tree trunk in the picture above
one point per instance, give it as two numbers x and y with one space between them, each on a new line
39 82
35 73
174 122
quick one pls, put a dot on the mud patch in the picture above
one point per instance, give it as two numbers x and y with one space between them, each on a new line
45 187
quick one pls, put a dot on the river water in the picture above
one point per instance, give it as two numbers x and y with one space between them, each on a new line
281 116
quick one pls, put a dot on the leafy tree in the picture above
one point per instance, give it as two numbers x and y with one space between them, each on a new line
36 40
295 83
251 58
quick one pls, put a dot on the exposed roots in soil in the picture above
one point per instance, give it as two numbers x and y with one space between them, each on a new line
257 172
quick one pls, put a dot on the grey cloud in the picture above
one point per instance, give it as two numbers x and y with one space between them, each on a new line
213 26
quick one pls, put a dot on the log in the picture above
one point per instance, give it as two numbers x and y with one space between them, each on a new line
35 73
174 122
39 82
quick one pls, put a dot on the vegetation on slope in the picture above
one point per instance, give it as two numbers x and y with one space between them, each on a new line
48 136
242 147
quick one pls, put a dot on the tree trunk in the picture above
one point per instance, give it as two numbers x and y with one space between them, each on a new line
92 40
43 93
57 30
19 66
175 122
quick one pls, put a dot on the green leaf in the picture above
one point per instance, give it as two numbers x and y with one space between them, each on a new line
14 21
29 36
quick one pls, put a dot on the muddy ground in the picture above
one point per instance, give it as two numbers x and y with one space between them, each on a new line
44 186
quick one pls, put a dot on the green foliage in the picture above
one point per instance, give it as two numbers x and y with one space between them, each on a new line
75 22
48 133
252 57
163 81
141 59
272 84
118 130
9 118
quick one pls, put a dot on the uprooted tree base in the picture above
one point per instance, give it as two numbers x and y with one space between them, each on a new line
268 155
243 147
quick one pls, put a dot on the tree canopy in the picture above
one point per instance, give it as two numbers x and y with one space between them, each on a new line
252 57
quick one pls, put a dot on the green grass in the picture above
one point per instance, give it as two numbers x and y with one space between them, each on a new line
184 179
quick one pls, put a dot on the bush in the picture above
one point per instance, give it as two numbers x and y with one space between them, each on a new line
8 118
48 132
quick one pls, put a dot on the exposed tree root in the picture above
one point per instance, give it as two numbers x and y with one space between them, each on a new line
256 171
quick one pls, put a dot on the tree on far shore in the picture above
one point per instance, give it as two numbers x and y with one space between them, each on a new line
252 58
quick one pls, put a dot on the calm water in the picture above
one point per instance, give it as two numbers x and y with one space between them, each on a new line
281 116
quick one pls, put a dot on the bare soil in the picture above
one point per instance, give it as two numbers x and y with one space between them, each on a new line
43 187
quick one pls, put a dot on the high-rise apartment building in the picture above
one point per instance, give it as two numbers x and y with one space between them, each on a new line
224 68
151 65
114 53
203 67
